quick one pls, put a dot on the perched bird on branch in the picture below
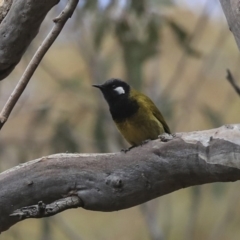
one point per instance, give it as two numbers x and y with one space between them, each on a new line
135 115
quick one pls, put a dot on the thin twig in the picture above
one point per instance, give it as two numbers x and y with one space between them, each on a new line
232 81
32 66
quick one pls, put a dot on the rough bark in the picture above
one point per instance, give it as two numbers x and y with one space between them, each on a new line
231 9
114 181
59 23
20 25
5 5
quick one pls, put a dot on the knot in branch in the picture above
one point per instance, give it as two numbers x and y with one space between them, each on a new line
114 181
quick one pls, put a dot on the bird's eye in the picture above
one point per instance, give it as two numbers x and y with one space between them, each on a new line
113 86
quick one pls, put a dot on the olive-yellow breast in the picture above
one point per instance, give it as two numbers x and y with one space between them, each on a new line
135 115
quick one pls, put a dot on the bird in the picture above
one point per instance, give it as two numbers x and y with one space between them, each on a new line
135 115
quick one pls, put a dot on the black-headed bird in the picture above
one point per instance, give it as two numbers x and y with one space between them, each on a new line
135 115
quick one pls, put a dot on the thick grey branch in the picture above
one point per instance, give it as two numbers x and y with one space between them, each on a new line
109 182
231 9
32 66
18 29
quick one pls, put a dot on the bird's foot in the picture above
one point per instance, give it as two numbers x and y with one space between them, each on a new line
142 143
128 149
165 137
145 141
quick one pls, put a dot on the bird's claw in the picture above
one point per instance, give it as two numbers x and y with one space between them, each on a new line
165 137
128 149
145 141
142 143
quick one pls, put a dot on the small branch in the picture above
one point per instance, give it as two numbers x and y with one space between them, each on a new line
32 66
115 181
22 20
232 81
46 210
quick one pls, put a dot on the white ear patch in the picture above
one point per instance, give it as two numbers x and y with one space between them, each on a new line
119 90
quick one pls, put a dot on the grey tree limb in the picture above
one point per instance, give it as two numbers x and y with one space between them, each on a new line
114 181
20 24
32 66
231 9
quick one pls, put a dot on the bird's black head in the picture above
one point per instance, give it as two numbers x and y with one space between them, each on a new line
114 90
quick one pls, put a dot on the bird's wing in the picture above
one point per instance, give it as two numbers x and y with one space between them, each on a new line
159 116
147 102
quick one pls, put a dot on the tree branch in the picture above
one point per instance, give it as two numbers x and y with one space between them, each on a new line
232 14
42 210
109 182
5 5
232 81
32 66
19 27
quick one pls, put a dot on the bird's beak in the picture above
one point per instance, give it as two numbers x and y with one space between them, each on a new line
97 86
